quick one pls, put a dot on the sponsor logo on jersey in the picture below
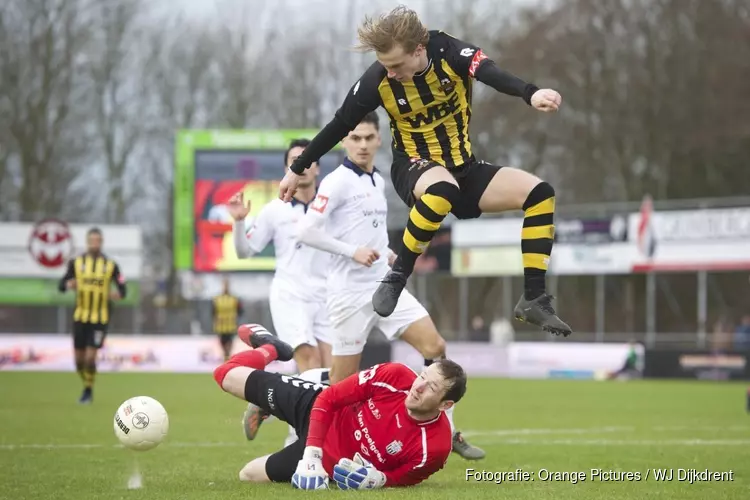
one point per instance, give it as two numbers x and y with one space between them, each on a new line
373 409
320 203
435 113
475 62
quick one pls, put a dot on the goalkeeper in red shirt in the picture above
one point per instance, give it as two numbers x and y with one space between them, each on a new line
381 427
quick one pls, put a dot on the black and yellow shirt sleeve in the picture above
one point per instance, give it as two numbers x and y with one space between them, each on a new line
429 115
362 98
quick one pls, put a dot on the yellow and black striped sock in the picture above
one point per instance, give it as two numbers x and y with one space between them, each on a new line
81 371
425 218
89 375
537 238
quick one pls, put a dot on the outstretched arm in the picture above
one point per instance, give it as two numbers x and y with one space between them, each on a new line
502 81
241 245
469 60
248 242
362 98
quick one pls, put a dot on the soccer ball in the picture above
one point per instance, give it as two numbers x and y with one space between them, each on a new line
141 423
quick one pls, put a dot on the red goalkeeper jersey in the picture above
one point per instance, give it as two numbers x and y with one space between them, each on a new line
366 414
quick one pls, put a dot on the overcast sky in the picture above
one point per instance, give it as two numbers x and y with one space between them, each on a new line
320 12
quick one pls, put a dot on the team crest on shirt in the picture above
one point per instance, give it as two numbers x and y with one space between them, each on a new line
447 85
394 447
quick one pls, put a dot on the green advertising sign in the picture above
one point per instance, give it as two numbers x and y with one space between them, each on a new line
42 291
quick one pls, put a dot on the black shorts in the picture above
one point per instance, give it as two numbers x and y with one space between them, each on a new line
473 178
289 399
89 335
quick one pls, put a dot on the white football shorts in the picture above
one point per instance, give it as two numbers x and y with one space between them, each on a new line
298 321
350 334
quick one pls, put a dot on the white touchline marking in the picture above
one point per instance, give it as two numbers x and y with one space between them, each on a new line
480 436
526 432
66 446
698 428
621 442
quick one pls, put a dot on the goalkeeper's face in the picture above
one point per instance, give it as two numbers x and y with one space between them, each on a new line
427 392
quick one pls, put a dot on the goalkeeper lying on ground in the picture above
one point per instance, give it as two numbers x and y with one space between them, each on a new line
383 426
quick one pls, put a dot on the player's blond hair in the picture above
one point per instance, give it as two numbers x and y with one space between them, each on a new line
401 26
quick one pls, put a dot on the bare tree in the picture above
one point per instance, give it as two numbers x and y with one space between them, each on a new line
654 101
181 78
40 82
246 60
116 57
640 108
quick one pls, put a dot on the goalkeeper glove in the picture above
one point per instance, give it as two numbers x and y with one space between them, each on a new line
357 474
310 474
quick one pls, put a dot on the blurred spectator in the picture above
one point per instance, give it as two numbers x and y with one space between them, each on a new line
502 331
721 337
742 333
479 331
633 365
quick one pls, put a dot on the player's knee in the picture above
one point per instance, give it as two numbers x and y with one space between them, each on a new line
434 348
247 475
306 357
446 190
255 472
221 371
539 193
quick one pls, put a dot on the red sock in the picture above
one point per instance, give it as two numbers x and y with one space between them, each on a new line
255 358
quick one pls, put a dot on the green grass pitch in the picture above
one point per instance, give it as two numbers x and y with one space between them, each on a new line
50 447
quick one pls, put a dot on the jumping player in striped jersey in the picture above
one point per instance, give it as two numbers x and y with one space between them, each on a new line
424 80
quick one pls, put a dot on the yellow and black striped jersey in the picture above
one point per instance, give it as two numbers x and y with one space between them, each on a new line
94 276
430 114
226 312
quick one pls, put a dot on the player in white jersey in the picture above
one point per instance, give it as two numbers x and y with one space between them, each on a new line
297 295
348 219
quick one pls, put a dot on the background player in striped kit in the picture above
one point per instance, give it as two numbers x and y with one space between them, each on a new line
226 309
91 275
